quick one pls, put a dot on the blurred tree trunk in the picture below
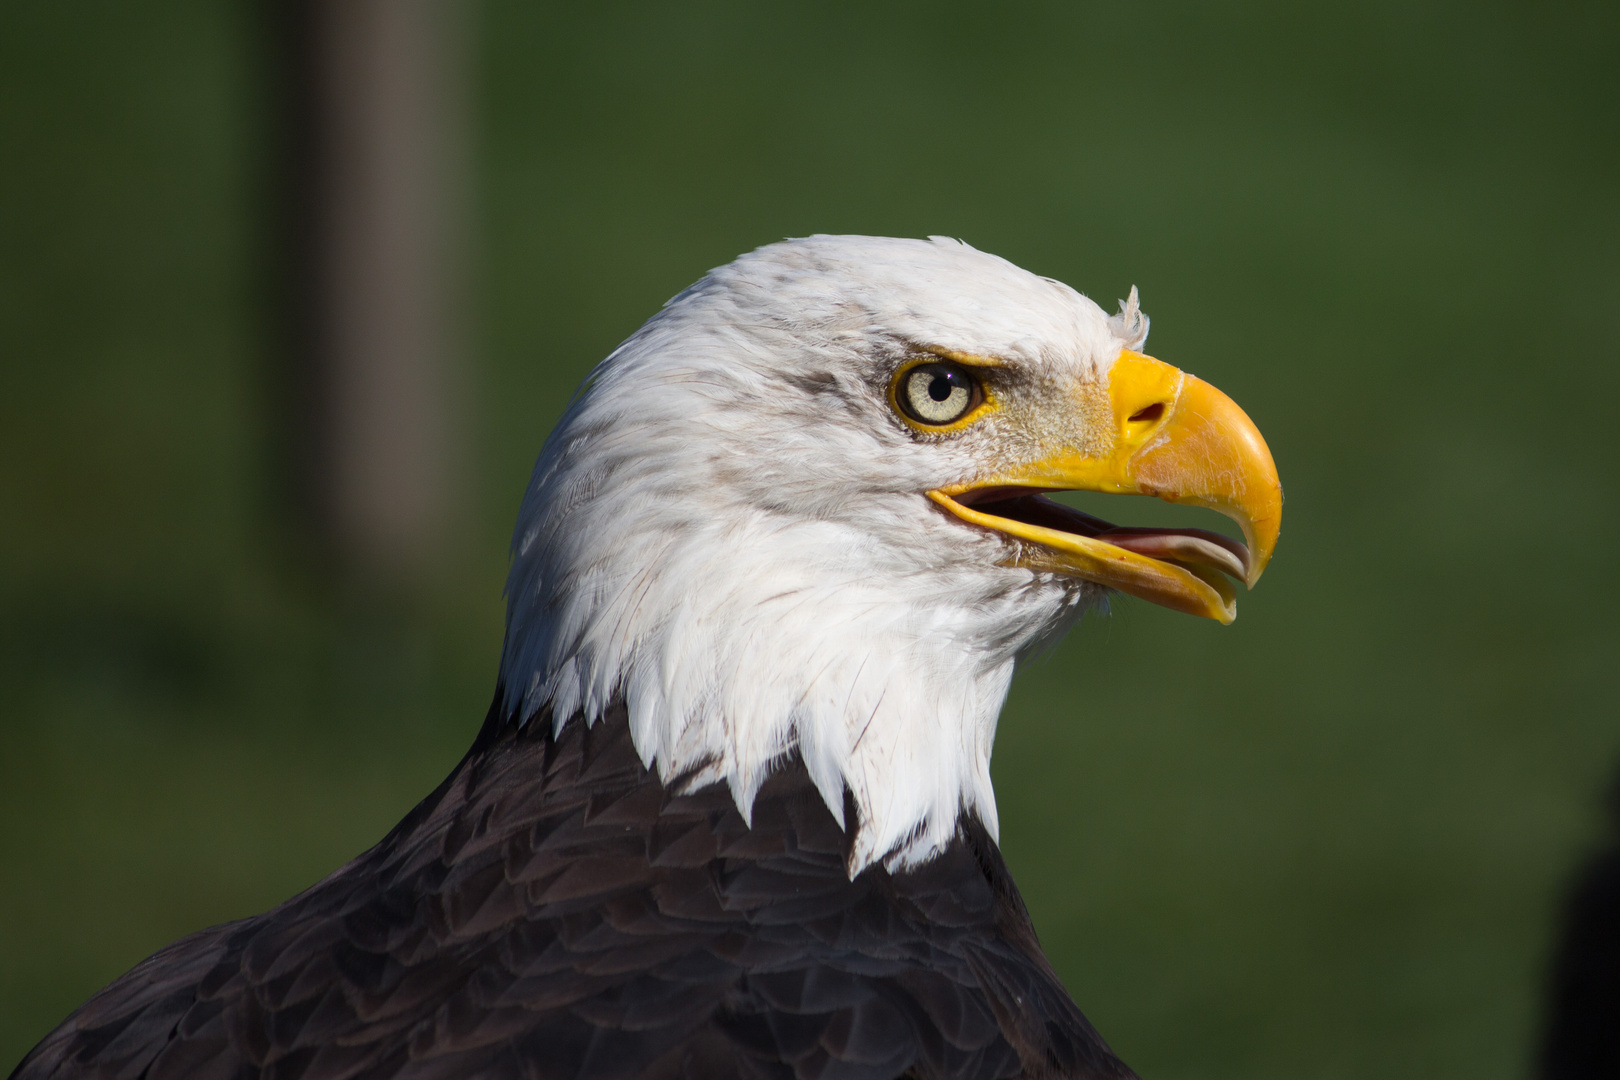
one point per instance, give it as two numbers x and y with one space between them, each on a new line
374 157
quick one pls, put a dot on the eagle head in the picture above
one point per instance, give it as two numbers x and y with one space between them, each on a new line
799 512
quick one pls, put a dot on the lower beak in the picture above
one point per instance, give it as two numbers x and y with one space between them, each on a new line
1176 437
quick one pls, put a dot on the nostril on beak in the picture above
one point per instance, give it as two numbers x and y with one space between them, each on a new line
1149 414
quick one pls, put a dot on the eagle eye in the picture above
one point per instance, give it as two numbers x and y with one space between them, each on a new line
936 394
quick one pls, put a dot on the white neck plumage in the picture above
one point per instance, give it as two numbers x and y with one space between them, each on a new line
736 643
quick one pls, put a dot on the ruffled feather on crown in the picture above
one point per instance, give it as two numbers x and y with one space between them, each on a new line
1131 324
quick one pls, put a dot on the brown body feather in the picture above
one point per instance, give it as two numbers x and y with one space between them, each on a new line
553 911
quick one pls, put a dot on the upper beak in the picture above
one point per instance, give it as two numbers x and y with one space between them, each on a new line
1173 436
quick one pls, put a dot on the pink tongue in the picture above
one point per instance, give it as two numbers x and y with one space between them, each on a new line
1194 546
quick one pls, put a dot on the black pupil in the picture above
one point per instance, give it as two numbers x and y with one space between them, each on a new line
939 387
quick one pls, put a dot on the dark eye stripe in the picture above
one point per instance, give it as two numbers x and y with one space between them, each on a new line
937 393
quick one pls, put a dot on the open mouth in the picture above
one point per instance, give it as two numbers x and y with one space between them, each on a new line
1189 570
1185 547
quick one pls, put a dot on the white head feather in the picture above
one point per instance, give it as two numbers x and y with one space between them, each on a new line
728 529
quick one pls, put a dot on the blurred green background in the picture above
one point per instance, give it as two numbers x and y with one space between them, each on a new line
1329 841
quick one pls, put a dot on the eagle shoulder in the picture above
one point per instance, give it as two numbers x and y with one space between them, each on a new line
553 910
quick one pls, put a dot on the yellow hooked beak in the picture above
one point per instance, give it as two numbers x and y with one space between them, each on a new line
1173 436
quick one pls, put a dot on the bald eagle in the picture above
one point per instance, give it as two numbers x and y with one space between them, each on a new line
730 812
